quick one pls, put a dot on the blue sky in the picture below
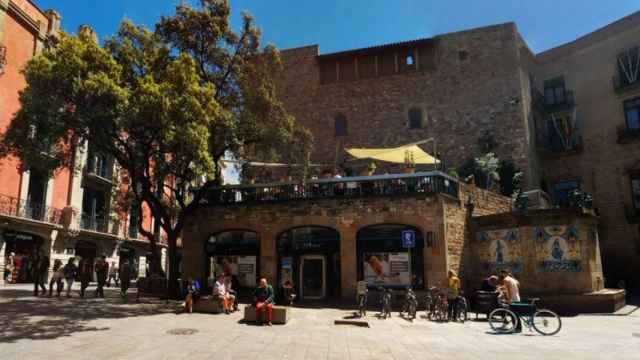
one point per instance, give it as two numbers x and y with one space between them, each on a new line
347 24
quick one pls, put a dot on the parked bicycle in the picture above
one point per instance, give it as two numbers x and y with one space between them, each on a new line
410 303
362 303
544 321
462 307
431 302
437 305
386 303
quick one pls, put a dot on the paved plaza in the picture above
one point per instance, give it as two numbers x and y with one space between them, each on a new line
51 328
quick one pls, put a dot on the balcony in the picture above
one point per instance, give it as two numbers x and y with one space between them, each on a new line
12 206
101 224
100 169
419 184
632 214
553 145
566 103
621 84
626 135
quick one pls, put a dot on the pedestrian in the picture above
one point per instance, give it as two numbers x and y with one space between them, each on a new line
489 284
192 290
263 302
113 274
511 291
102 269
86 273
40 270
125 278
453 290
221 293
56 278
11 267
70 272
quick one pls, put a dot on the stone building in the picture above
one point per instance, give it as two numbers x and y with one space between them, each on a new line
568 117
68 213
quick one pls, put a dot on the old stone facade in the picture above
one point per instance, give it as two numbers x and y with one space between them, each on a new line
439 220
557 115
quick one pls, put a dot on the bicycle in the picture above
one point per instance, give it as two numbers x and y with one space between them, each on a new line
386 303
462 307
505 319
410 303
431 302
362 304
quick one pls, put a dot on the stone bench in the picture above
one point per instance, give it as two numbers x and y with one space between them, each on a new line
280 314
207 304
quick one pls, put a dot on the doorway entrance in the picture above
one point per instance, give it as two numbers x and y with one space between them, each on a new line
313 277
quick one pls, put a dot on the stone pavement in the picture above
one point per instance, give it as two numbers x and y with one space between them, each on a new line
50 328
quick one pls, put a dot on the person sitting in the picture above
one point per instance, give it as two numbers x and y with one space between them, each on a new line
191 289
489 284
263 302
221 294
235 290
231 293
289 292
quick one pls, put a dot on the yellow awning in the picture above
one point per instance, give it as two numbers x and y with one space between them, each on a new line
397 155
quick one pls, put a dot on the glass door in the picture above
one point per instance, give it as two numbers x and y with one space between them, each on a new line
313 277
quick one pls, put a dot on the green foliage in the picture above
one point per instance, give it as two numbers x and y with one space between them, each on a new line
484 170
165 104
579 199
520 202
488 165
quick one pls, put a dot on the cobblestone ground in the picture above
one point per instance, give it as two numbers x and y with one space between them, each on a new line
51 328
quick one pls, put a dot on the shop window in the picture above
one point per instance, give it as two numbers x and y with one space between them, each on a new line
561 191
384 261
635 190
340 122
632 113
554 91
415 118
233 253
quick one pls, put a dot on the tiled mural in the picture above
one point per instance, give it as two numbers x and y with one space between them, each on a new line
557 249
500 249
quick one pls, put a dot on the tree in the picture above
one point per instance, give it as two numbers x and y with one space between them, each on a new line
165 104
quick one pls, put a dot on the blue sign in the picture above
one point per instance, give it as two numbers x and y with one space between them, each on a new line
408 239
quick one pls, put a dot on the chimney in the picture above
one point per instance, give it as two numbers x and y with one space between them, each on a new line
88 32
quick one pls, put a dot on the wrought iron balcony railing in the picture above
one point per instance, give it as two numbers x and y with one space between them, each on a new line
554 145
424 183
622 84
626 135
12 206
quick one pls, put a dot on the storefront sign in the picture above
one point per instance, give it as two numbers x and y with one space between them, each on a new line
408 239
387 269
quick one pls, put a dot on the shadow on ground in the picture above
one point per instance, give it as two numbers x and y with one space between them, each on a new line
24 316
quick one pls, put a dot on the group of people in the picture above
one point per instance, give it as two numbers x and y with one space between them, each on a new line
69 273
226 292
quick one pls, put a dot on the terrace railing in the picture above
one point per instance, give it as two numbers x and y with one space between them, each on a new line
12 206
424 183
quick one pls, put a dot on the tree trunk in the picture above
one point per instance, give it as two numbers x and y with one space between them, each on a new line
172 286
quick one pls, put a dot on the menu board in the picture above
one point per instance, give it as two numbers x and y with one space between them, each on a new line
384 268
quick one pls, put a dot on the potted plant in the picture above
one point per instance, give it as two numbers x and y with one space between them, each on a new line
371 169
409 163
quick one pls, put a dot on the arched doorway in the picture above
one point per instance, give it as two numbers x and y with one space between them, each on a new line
309 258
233 253
384 261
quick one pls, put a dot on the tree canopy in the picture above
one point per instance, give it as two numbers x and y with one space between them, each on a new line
166 105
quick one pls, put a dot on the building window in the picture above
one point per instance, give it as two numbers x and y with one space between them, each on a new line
554 91
632 113
635 190
341 125
415 118
629 66
409 60
561 191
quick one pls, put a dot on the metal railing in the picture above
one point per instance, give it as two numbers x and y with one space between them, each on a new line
424 183
553 144
625 134
13 206
621 83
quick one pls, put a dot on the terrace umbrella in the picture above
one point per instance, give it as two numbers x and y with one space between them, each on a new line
400 155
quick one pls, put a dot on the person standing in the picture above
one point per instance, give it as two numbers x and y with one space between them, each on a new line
453 290
489 284
113 274
85 275
102 269
70 272
125 278
511 288
40 270
56 278
263 301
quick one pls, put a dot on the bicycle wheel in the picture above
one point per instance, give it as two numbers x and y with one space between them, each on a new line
412 311
502 320
462 312
546 322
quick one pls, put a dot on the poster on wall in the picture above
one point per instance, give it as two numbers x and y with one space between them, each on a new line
286 271
387 269
243 267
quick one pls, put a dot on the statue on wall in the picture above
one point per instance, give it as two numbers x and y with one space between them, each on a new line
556 251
